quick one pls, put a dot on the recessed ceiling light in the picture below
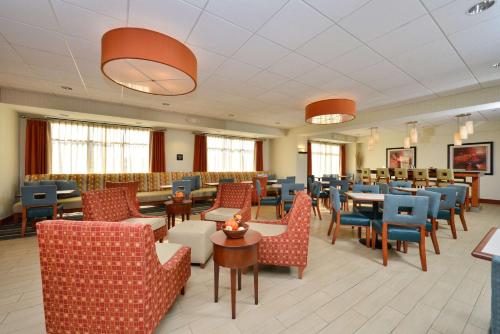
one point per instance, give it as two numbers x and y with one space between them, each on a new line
165 104
66 88
480 7
192 120
496 65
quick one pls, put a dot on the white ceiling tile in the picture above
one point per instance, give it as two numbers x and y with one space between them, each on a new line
408 37
457 81
260 52
37 13
45 59
339 83
83 49
113 8
217 35
329 44
293 89
294 25
336 9
274 98
373 20
434 4
382 76
197 3
207 61
15 68
292 66
267 80
7 53
68 78
318 76
408 91
355 60
32 37
170 17
453 17
237 70
83 23
89 68
250 14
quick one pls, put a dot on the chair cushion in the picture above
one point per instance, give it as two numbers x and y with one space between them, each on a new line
444 214
156 222
268 230
397 232
153 196
166 250
221 214
196 235
354 219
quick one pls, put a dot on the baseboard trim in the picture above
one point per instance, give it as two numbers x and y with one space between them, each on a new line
489 201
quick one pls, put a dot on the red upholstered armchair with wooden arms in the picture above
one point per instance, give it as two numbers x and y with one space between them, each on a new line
286 242
108 277
116 205
232 198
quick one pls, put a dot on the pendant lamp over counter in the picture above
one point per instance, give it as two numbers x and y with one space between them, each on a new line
330 111
148 61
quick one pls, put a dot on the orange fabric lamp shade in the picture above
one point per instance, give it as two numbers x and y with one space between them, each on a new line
148 61
331 111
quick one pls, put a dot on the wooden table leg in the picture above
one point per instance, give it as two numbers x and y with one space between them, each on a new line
256 282
173 220
239 279
216 282
233 293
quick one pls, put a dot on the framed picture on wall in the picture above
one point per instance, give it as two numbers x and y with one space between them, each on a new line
399 157
471 157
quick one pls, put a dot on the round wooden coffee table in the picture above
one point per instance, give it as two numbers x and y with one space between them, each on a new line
172 209
236 254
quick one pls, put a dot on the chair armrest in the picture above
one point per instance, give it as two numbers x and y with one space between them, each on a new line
271 222
203 213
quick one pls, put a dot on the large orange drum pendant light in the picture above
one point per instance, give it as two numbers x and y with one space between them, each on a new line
148 62
331 111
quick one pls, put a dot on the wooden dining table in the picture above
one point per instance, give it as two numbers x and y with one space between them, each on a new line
413 191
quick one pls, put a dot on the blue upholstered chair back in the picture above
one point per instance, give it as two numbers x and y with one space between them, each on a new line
258 188
182 185
291 178
230 180
316 189
288 191
271 177
418 204
310 181
335 199
434 202
461 192
450 197
495 295
365 188
343 184
349 176
283 181
195 181
401 184
39 195
384 188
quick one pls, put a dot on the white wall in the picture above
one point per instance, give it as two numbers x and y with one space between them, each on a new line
283 153
432 150
9 168
179 142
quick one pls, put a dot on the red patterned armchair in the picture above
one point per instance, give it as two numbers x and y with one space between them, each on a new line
232 198
285 242
116 205
108 277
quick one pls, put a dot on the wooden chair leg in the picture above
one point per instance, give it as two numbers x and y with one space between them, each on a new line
183 290
330 227
452 224
374 239
336 232
398 246
319 212
405 247
368 237
359 232
421 248
314 210
258 210
301 271
434 237
462 219
24 221
385 253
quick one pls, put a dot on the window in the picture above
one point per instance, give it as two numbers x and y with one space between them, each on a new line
230 154
82 148
325 158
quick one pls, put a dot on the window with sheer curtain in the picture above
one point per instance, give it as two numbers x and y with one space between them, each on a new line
225 154
325 158
84 148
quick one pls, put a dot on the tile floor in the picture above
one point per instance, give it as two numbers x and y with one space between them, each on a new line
345 289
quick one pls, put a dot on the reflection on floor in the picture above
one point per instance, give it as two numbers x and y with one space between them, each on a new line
345 289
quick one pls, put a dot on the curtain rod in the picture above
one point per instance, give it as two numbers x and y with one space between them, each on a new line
233 137
48 118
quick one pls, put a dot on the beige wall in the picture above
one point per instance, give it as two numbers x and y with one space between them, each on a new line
432 150
179 142
9 168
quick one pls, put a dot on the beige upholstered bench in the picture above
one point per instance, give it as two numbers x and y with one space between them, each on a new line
196 235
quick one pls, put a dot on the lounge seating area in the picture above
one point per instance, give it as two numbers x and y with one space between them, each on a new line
284 166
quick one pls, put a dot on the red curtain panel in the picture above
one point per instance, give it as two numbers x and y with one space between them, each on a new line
35 149
309 159
259 156
342 160
158 152
200 153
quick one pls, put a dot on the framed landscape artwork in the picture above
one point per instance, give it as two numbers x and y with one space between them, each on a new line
471 157
399 157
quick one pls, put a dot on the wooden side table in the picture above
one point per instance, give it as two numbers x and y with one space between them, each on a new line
172 209
236 254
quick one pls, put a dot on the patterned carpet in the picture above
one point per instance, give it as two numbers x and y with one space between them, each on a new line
9 230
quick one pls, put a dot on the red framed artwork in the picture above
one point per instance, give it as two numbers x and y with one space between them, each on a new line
399 157
471 157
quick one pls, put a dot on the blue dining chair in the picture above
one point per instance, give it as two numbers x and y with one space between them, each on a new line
228 180
316 196
183 186
282 181
432 213
402 227
366 210
292 178
349 219
288 194
399 184
266 201
39 202
310 181
383 188
343 187
447 207
460 206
